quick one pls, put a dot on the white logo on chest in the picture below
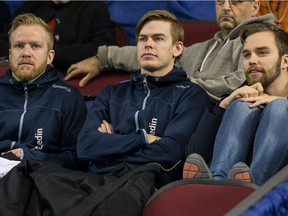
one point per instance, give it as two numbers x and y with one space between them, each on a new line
152 126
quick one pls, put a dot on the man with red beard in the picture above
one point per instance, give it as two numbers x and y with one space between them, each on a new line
252 129
40 115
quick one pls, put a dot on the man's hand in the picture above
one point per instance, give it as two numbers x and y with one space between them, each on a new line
16 152
243 92
151 138
89 68
106 127
259 101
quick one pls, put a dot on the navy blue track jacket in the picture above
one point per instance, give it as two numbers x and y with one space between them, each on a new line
169 107
43 118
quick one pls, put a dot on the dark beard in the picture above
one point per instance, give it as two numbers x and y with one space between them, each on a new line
266 80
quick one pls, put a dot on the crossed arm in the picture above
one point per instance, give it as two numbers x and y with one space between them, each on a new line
106 127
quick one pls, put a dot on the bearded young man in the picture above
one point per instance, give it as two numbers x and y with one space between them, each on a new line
40 115
253 126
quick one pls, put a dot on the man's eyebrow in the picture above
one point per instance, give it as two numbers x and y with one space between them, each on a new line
263 48
257 49
153 35
159 34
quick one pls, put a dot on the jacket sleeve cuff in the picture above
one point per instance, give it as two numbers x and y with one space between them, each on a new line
144 133
6 145
102 56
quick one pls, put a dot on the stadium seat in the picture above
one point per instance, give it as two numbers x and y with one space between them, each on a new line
93 88
188 197
198 31
270 199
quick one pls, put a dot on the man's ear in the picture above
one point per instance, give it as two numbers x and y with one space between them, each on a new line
178 49
255 8
285 62
50 56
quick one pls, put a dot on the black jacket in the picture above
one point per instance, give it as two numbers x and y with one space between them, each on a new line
43 118
202 141
169 107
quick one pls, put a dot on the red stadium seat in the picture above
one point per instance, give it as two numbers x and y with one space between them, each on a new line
188 197
198 31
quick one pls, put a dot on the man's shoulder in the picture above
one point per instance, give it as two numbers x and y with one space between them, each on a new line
202 47
62 87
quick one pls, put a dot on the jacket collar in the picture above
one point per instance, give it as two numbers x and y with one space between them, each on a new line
175 75
49 75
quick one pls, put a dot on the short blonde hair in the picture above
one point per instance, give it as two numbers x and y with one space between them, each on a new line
31 19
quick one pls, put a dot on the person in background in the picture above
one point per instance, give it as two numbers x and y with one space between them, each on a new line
277 7
183 10
40 115
249 125
214 64
4 15
78 28
151 117
7 8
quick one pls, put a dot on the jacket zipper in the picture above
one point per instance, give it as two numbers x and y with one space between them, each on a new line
24 112
147 92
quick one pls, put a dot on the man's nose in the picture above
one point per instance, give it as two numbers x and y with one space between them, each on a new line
226 5
148 42
26 50
253 59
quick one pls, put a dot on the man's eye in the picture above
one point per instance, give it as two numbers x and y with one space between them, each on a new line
18 46
158 39
35 46
231 2
220 2
246 55
262 53
236 2
141 39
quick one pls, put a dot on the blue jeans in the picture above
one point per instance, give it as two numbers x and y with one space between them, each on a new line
244 129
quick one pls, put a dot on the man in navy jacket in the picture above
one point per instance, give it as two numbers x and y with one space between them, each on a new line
40 115
151 117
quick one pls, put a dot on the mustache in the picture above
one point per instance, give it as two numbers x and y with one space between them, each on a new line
225 14
254 68
26 61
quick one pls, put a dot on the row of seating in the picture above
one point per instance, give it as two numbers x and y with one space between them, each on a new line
188 197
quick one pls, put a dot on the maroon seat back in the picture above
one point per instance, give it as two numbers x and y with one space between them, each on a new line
93 88
3 69
193 197
198 31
